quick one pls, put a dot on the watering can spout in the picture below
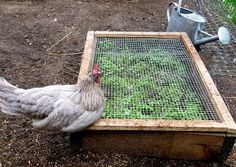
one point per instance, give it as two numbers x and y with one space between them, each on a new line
223 36
205 40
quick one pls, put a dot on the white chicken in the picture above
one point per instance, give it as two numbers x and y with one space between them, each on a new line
68 108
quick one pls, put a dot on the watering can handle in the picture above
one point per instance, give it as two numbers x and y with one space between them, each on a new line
168 12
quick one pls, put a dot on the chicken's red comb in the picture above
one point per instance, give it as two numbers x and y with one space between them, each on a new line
95 68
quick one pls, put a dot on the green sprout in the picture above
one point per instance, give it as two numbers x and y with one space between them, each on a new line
106 45
147 85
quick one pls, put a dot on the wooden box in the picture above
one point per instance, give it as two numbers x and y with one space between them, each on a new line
179 139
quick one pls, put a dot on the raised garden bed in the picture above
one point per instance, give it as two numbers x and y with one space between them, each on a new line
153 81
161 100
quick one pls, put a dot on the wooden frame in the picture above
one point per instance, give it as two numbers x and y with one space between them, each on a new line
163 144
226 125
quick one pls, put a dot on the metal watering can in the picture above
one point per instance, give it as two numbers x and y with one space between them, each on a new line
184 20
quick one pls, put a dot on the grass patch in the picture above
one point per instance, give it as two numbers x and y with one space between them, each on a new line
230 6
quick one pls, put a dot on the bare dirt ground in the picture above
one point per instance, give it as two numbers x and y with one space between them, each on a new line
27 29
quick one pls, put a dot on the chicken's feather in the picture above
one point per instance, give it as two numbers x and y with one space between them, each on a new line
63 107
38 102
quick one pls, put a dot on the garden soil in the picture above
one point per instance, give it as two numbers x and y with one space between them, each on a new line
28 29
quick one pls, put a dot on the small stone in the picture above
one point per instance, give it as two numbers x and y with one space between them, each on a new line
234 61
215 165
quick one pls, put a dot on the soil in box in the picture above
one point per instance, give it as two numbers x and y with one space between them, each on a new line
148 78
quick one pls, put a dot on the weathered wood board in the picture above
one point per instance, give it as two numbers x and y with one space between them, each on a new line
174 145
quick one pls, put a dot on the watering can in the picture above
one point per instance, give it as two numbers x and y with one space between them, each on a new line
184 20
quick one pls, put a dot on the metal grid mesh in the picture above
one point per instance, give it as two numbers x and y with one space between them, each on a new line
222 57
151 78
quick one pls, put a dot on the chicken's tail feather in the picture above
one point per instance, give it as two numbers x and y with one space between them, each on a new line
8 101
9 112
6 86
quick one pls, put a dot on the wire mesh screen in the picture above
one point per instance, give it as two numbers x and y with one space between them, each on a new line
223 57
151 78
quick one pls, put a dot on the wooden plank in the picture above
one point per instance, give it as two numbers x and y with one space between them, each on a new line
176 35
88 55
215 96
158 125
159 144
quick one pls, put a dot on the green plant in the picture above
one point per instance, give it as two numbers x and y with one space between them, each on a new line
230 6
106 45
147 85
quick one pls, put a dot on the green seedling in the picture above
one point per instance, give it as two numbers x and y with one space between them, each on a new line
148 85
